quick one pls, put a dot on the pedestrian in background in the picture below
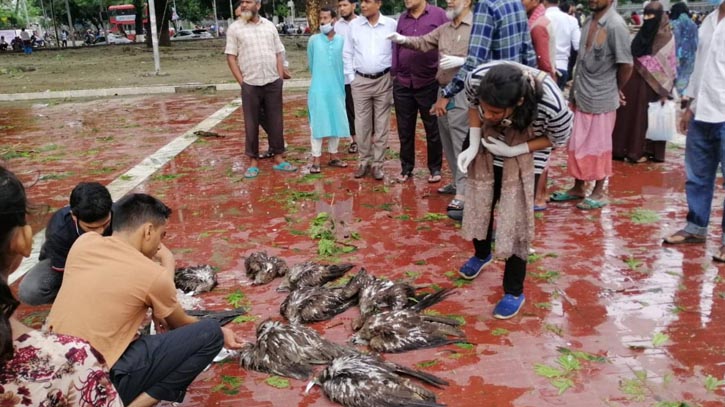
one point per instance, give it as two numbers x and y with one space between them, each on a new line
346 10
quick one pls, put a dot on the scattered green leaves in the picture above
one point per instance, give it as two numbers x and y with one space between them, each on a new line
633 263
235 299
548 275
427 363
277 382
712 383
569 363
643 216
500 332
403 217
428 217
420 262
543 305
244 318
465 345
659 339
229 385
635 388
166 177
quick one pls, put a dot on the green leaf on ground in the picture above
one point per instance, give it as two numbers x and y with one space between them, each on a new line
166 177
533 258
643 216
403 217
547 371
427 363
659 339
569 362
412 274
548 276
712 383
433 217
229 385
277 382
633 263
562 384
235 299
500 332
420 262
543 305
633 388
460 282
244 318
466 346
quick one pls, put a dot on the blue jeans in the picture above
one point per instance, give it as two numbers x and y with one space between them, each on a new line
562 78
704 151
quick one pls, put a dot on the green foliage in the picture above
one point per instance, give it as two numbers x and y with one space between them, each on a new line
244 318
235 299
549 275
427 363
229 385
500 332
569 363
643 216
659 339
432 217
277 382
322 229
712 383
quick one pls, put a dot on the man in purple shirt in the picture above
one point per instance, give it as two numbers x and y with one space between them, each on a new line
415 88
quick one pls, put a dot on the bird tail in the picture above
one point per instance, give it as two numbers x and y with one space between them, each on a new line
429 299
420 375
224 317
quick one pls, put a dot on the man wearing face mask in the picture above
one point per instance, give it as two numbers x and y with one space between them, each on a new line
255 56
704 122
326 97
451 40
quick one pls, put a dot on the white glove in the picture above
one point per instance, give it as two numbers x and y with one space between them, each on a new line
501 149
467 155
397 38
448 61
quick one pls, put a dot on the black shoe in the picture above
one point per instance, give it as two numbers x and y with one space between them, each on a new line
361 170
455 215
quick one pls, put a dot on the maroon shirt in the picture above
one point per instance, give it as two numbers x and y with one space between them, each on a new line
414 69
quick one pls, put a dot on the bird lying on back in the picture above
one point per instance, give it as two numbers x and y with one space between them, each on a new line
313 304
262 268
364 381
405 330
195 279
288 350
311 274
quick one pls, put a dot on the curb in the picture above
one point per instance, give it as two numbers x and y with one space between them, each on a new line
134 91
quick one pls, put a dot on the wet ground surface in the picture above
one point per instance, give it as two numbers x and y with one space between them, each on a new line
648 320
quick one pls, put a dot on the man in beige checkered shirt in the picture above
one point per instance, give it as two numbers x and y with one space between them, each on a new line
255 57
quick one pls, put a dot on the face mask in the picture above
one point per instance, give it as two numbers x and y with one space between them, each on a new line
326 28
715 2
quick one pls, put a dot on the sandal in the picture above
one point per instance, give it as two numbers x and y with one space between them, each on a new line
268 154
434 178
251 172
589 204
682 237
402 178
720 256
314 169
285 167
455 205
353 148
448 189
563 196
337 163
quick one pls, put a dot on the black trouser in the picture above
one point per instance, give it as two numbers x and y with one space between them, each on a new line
164 365
267 98
408 103
350 108
515 270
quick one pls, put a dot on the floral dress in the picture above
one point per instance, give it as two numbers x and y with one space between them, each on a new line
50 370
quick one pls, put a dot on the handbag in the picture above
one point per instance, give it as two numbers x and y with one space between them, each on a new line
661 121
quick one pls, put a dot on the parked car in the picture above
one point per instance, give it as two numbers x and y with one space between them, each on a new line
112 39
183 35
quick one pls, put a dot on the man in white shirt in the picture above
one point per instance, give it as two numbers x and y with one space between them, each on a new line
704 120
567 34
346 11
367 57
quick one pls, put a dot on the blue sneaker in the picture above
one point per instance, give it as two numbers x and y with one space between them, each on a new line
473 267
509 306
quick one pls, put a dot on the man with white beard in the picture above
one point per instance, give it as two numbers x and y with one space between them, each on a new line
255 56
451 40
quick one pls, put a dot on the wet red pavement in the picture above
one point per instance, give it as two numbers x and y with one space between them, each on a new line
650 318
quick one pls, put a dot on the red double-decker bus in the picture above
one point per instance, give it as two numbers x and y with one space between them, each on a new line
122 20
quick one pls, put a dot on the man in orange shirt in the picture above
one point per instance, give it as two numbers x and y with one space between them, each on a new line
108 286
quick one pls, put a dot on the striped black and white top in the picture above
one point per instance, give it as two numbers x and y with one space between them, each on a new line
554 119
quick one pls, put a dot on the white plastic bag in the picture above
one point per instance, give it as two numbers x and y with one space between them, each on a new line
661 121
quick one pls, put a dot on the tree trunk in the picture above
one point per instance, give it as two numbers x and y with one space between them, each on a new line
163 16
313 15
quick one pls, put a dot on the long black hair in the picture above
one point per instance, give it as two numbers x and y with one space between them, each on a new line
678 9
13 211
508 86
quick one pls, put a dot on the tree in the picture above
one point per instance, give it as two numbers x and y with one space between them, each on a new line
163 16
313 14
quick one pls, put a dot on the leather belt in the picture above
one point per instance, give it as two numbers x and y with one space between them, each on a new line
373 75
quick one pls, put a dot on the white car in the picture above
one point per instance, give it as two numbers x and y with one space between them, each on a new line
112 39
183 35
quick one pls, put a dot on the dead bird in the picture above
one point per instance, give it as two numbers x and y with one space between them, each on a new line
377 295
363 381
262 268
405 330
312 304
311 274
289 350
195 279
224 317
